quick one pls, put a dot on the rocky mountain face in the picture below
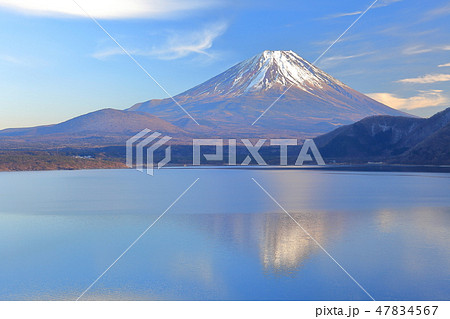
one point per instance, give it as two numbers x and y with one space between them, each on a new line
394 139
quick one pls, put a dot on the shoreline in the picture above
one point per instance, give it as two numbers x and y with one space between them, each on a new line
334 167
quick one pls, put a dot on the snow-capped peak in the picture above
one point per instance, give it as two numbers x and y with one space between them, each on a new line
265 71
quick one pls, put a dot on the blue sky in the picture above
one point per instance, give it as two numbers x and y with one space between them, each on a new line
56 63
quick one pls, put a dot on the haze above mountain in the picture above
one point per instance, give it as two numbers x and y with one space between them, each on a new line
228 104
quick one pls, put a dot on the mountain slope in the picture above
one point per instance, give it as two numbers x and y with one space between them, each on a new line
229 102
99 128
434 150
390 138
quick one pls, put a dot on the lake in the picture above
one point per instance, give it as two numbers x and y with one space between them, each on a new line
225 239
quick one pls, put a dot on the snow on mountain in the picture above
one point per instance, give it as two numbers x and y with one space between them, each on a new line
265 71
229 102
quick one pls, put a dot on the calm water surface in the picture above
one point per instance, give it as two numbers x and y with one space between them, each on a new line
225 239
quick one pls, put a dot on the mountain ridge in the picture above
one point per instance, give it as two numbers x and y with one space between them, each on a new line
394 139
102 127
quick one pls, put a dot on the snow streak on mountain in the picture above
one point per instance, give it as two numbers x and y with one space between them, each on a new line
265 71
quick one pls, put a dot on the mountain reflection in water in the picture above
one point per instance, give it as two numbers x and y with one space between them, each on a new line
282 246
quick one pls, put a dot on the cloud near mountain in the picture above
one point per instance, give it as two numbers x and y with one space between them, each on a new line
429 78
178 44
378 4
423 99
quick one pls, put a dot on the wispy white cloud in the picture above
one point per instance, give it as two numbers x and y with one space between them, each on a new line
336 59
443 65
181 45
348 38
105 53
419 49
438 12
385 3
345 57
178 45
10 59
379 4
429 78
108 9
344 14
423 99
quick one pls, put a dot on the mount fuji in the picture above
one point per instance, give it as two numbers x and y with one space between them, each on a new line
311 103
230 102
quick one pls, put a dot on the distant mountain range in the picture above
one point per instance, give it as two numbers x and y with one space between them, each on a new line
103 127
392 139
225 106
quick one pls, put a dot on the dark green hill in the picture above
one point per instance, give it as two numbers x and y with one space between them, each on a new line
393 139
